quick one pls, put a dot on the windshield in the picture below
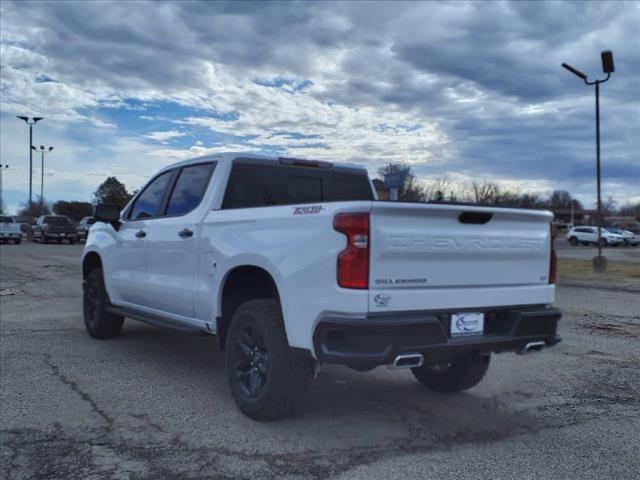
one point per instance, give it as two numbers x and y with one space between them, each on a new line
56 220
5 219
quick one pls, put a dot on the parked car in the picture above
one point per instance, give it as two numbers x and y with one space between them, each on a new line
54 227
629 238
589 235
9 230
292 264
84 226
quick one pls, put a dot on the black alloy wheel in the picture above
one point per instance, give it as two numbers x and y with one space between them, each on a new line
252 366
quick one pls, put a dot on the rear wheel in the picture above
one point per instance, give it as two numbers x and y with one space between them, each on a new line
603 242
573 241
98 321
17 241
460 374
266 376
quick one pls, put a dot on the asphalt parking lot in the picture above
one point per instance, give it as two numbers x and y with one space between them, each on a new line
154 403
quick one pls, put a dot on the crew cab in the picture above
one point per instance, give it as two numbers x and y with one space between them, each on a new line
294 264
54 227
9 230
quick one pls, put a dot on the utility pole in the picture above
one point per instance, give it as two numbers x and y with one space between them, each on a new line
599 262
31 122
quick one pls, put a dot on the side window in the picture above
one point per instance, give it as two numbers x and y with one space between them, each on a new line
150 202
189 188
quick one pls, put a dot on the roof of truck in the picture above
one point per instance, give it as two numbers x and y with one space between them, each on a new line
230 156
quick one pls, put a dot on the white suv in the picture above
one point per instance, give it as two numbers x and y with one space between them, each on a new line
589 235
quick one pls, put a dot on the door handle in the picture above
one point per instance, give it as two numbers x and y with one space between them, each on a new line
141 234
186 233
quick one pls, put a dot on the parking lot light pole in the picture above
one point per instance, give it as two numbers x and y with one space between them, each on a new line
42 151
31 122
2 168
599 262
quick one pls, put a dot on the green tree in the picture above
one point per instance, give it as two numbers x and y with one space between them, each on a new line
112 191
74 210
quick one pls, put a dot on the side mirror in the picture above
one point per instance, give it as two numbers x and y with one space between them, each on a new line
107 213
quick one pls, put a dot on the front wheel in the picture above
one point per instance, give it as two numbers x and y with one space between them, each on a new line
459 374
573 241
266 376
98 321
603 242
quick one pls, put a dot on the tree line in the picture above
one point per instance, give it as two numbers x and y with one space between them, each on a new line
489 192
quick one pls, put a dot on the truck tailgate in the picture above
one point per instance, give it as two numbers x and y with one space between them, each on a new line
431 256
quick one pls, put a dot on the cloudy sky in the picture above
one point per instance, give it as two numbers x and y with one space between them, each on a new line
458 90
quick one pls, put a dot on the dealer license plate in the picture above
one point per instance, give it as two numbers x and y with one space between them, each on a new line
467 323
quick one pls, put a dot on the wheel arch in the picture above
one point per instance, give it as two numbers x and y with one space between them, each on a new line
240 284
90 261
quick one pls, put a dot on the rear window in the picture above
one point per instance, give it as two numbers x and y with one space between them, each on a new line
260 185
4 219
56 220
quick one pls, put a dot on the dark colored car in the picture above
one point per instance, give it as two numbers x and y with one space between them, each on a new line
54 227
84 226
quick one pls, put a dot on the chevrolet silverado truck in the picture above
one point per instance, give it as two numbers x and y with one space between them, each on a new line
9 230
294 264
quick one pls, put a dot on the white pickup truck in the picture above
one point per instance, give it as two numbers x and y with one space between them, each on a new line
294 264
9 230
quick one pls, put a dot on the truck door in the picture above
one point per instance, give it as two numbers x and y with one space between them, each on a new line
173 243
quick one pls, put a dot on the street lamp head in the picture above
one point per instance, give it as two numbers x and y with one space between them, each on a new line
37 119
50 148
575 71
26 119
607 62
41 147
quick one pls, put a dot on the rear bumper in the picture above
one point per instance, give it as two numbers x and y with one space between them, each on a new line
365 343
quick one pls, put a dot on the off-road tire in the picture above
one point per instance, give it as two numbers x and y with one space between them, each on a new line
100 324
287 372
461 373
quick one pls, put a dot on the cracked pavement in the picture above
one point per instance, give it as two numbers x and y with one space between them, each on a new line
153 404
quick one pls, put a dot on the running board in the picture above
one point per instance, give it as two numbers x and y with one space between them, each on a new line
155 320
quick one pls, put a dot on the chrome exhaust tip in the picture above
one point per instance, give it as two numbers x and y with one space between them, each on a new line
532 347
409 360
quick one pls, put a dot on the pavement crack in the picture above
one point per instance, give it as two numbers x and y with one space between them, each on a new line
55 370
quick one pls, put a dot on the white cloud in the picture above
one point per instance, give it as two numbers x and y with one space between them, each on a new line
163 136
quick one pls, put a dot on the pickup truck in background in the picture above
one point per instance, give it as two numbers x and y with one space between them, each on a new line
54 227
294 264
9 230
84 226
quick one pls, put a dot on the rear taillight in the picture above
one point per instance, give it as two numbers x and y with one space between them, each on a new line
353 261
553 263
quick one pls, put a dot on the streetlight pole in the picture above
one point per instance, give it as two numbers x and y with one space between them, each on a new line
31 122
2 168
42 151
600 262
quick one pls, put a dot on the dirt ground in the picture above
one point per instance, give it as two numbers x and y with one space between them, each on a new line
154 404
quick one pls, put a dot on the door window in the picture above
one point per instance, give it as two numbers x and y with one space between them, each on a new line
151 201
189 188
